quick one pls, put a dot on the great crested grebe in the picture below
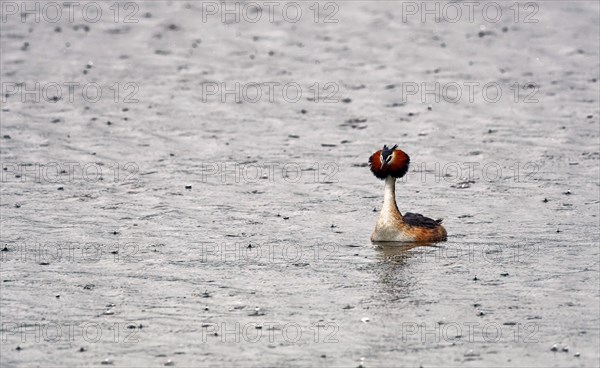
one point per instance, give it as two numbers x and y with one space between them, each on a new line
389 164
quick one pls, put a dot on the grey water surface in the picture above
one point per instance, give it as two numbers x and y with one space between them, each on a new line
193 230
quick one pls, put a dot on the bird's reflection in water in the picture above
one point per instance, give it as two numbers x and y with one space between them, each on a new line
398 252
394 269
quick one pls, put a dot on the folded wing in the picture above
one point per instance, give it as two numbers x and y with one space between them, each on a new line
418 220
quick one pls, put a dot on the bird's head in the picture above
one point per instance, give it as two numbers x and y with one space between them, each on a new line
389 162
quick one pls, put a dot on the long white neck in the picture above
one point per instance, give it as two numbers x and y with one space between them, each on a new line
389 196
